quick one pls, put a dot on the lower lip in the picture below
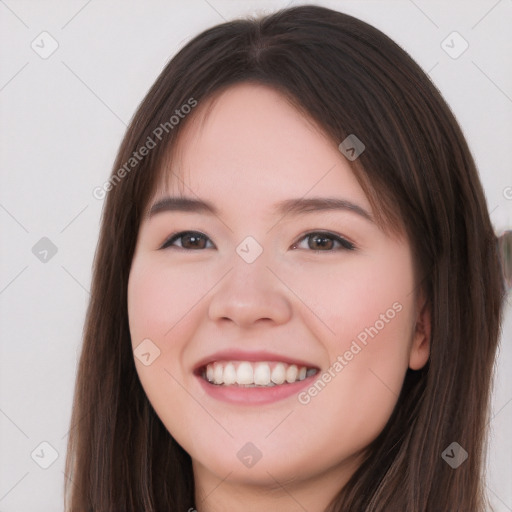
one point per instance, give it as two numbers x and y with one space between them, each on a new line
256 395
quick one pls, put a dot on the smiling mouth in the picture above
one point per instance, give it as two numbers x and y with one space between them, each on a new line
254 374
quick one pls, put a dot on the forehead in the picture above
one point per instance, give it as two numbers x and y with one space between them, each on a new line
250 142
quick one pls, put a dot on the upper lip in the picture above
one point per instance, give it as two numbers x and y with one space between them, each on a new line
242 355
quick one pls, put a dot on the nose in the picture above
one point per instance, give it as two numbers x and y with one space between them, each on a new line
250 295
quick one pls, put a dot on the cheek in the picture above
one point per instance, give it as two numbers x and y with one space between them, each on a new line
159 298
161 303
359 298
366 310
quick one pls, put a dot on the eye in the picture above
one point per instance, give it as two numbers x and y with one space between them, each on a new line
190 240
318 241
325 242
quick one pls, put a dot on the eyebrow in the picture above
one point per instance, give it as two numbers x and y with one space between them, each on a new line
292 207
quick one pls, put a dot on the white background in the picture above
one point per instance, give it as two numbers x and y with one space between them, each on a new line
62 119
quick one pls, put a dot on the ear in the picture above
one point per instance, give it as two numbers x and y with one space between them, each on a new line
420 348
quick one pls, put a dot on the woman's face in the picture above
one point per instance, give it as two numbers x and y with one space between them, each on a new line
261 292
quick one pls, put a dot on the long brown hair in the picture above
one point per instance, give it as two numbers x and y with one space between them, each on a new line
418 173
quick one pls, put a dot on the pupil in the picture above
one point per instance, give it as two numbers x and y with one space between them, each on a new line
193 239
322 241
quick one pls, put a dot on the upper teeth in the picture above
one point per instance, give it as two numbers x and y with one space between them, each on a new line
246 373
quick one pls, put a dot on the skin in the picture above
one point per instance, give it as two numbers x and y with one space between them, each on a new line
251 151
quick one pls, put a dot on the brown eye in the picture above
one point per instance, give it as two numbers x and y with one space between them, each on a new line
190 240
325 242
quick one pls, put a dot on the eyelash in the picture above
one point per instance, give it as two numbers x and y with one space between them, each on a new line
343 243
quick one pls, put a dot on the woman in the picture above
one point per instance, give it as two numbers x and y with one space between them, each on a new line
297 294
